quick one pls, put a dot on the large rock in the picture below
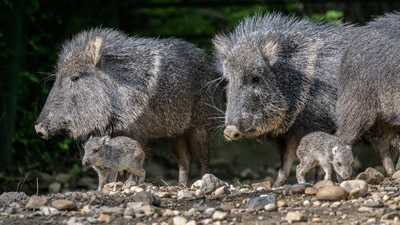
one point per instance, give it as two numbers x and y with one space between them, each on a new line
371 176
63 204
210 183
258 203
323 183
331 193
355 188
35 202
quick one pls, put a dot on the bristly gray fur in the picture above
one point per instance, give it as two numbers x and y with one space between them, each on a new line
281 74
145 88
326 150
368 96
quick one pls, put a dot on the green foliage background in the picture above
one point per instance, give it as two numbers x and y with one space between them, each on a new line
32 32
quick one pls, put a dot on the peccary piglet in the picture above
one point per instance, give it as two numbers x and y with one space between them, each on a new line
325 149
109 156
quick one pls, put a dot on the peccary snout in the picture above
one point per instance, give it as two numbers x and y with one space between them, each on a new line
85 162
232 133
41 131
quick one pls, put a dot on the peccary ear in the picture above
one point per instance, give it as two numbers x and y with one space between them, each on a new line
221 45
106 139
93 49
270 49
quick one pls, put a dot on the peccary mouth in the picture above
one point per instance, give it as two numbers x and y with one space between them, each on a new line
251 130
232 133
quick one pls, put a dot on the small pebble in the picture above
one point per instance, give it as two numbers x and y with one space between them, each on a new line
218 215
281 204
325 204
307 203
178 220
335 204
317 203
270 207
365 209
316 220
294 217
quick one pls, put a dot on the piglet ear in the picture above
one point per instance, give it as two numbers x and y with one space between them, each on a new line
334 150
94 49
106 139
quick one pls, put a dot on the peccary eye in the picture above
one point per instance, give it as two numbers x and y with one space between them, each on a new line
339 164
74 78
96 151
255 80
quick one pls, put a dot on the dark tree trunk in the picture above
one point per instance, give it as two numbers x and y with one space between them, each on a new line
14 34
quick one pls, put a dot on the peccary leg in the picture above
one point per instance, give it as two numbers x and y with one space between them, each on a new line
141 177
398 164
181 152
319 173
199 140
103 174
394 150
287 152
113 175
326 166
139 173
381 138
302 169
130 177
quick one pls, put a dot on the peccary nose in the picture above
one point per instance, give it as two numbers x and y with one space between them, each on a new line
232 133
41 132
85 162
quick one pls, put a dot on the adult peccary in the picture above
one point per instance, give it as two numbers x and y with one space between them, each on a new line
108 156
369 87
281 75
108 83
326 150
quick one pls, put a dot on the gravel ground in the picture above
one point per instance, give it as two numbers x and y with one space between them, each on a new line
370 199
